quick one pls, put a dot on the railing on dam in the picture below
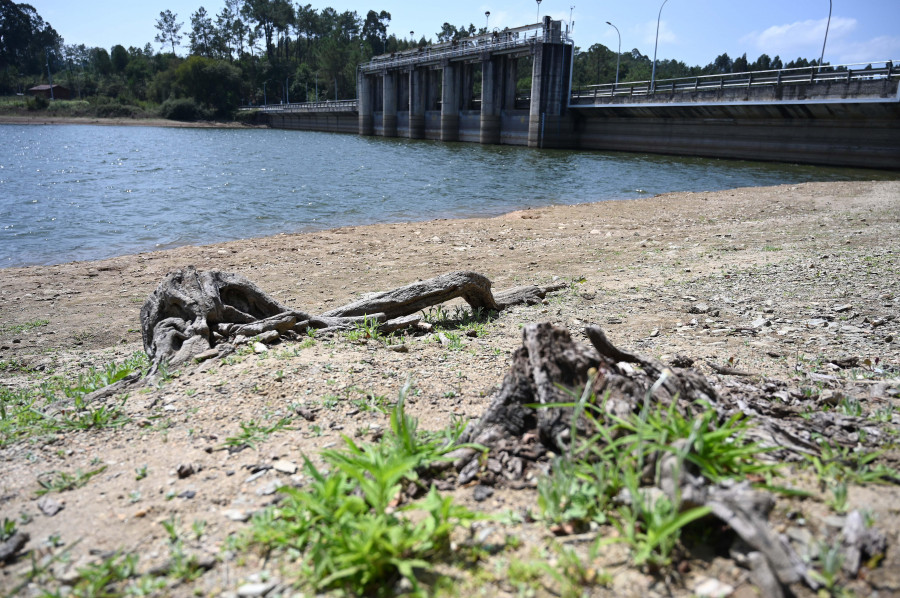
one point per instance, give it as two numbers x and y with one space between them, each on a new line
845 73
308 107
497 42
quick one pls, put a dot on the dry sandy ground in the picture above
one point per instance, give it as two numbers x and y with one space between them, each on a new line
786 279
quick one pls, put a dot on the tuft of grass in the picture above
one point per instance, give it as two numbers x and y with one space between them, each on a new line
60 481
348 525
253 433
612 461
23 327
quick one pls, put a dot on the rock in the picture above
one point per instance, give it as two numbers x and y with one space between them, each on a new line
842 308
398 348
50 506
187 494
259 348
237 515
186 470
682 361
712 587
760 323
254 590
699 308
285 467
482 493
268 489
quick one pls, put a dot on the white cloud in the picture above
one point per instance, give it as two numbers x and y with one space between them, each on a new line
802 38
875 50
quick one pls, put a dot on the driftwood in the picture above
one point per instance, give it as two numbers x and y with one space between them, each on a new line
551 368
193 311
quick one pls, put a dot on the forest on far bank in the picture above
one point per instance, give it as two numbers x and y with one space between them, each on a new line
255 51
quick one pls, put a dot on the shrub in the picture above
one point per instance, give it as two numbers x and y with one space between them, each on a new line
184 109
37 103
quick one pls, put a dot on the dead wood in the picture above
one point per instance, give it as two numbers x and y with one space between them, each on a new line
11 547
551 368
193 311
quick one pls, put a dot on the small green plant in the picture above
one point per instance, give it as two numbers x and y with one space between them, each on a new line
23 327
7 530
252 433
850 406
367 328
60 481
141 472
346 522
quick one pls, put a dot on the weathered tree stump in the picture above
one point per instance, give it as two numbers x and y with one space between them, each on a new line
192 311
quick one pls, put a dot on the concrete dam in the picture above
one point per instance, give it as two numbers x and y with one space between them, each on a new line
466 91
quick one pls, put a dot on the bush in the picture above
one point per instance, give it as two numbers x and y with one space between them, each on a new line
185 109
116 111
250 117
37 103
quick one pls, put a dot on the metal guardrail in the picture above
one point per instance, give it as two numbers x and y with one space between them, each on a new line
795 76
327 106
498 41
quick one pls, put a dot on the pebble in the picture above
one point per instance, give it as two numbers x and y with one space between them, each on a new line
236 515
482 493
285 467
254 590
713 587
259 348
50 506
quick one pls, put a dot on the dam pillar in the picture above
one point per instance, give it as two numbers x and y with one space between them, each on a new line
389 122
366 110
450 101
491 99
549 124
510 81
417 103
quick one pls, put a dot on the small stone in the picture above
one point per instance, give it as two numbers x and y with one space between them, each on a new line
699 308
259 348
186 470
255 590
713 588
398 348
482 493
842 308
236 515
187 494
285 467
268 489
654 333
50 506
760 323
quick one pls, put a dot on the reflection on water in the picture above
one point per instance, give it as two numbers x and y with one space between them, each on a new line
72 192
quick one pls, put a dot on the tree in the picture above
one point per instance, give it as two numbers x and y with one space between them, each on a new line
118 59
168 29
205 40
374 30
270 16
740 64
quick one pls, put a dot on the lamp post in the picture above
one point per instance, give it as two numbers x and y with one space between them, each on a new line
618 56
487 20
287 91
265 101
539 10
655 45
827 25
412 37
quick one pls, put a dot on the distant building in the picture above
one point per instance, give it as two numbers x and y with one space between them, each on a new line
59 92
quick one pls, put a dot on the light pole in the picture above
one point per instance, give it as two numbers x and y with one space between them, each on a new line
487 20
655 45
412 37
618 56
539 11
265 101
827 25
287 91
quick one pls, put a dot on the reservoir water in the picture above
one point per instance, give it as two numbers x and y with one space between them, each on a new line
79 192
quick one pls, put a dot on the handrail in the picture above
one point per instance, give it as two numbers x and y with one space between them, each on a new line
325 106
471 46
792 76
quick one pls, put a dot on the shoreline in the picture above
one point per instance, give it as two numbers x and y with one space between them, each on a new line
10 119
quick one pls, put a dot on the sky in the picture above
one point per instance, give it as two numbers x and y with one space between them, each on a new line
693 31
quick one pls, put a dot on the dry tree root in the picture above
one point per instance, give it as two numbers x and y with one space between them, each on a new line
525 419
193 311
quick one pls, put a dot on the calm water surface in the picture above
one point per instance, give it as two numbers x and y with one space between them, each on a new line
72 192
